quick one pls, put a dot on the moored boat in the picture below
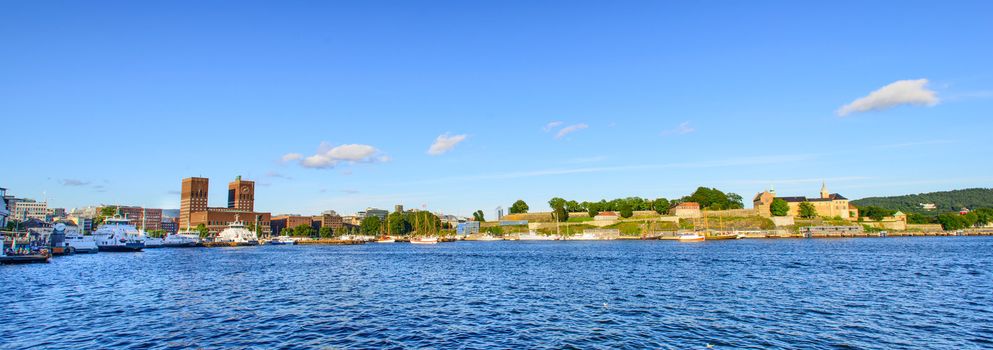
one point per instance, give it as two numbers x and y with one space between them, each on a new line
386 239
237 235
81 244
184 239
692 237
282 240
116 234
424 240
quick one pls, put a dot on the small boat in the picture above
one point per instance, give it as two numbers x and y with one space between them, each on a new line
424 240
386 239
692 237
154 242
186 239
282 240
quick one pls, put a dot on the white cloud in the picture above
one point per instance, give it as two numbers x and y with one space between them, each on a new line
682 129
329 157
74 182
289 157
552 125
277 175
570 129
445 143
901 92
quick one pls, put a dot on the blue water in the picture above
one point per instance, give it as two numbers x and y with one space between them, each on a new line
893 293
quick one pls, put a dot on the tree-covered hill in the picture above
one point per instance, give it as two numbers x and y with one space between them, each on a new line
945 201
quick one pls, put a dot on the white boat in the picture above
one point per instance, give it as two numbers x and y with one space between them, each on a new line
691 237
386 239
584 237
533 236
116 234
80 244
182 240
424 240
282 240
237 234
153 242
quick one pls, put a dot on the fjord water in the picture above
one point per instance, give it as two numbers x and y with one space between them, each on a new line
848 293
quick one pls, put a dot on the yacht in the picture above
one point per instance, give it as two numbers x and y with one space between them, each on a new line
424 240
81 244
116 234
183 239
237 235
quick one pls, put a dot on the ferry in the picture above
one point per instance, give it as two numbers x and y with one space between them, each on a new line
80 244
183 239
153 242
237 235
282 240
692 237
424 240
116 234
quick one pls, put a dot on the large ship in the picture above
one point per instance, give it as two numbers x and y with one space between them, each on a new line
117 234
237 235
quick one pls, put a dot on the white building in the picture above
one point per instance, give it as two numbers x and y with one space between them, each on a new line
24 209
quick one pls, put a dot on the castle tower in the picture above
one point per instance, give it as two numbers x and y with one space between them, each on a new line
824 191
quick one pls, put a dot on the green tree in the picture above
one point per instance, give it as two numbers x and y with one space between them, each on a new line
326 232
574 207
202 231
556 203
779 207
660 205
561 214
397 224
303 230
713 199
734 201
876 213
593 209
371 225
479 216
626 211
807 210
519 207
951 221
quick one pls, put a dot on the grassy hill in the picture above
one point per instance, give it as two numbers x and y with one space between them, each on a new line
945 201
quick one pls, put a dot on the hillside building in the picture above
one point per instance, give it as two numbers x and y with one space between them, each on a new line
827 205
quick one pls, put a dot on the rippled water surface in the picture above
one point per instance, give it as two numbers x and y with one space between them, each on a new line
858 293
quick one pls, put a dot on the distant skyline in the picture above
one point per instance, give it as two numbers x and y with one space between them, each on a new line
458 106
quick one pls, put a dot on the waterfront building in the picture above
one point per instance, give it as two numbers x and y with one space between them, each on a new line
687 210
282 222
332 220
170 225
828 205
147 219
606 216
193 198
193 209
467 228
85 224
56 214
23 209
372 212
4 213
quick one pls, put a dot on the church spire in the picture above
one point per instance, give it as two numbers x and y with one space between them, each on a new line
824 191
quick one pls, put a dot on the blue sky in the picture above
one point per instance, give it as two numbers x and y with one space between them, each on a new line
116 102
